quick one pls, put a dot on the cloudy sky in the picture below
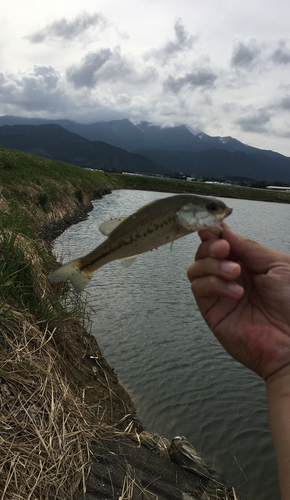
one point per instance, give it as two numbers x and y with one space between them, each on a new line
219 66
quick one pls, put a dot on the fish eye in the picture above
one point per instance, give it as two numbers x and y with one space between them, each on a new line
212 206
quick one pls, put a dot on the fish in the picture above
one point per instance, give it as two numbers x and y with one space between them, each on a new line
153 225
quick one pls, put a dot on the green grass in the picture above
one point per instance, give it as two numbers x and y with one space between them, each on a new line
28 180
24 265
16 282
32 190
20 262
32 183
176 186
79 195
27 168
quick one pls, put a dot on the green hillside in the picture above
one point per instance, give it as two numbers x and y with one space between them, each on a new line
47 189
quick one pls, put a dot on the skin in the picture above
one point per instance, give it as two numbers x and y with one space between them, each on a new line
243 292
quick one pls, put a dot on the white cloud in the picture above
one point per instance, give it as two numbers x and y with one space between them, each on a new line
282 54
86 74
285 103
246 55
201 78
183 42
224 71
37 90
65 29
255 121
106 65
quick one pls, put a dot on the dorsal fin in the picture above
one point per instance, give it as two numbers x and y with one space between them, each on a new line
108 227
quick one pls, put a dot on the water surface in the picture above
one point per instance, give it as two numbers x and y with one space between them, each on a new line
150 330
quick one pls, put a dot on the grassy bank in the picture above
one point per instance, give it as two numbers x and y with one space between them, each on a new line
47 190
56 389
120 181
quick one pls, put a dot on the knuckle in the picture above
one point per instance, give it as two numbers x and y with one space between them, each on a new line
204 287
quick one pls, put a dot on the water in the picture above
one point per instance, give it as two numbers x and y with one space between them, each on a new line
150 330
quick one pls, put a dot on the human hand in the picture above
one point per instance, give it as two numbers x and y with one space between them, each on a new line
243 291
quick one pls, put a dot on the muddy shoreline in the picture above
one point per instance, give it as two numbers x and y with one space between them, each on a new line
97 382
49 232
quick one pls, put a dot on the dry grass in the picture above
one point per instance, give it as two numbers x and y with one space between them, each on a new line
48 365
128 485
218 493
45 429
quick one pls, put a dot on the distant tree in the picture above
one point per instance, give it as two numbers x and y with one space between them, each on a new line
259 184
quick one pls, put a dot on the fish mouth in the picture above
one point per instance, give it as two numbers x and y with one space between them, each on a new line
228 211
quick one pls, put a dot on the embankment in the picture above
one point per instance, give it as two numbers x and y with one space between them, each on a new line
56 388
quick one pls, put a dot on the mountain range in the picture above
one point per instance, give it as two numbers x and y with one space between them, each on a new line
143 148
54 142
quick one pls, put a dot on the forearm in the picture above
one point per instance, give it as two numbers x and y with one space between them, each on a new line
278 391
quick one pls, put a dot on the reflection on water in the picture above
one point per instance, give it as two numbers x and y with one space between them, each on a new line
149 328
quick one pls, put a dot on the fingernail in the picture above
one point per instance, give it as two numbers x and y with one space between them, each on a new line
235 289
228 267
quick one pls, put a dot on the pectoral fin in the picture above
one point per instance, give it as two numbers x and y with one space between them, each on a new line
128 261
108 227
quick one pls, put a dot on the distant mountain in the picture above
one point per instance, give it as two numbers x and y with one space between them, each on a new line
222 164
177 149
124 134
53 141
120 133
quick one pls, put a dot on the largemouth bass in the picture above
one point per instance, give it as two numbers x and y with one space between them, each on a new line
153 225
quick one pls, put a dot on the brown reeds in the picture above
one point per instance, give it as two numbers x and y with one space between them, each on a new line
45 429
56 389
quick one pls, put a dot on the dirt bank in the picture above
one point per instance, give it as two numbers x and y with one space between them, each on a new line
49 232
90 373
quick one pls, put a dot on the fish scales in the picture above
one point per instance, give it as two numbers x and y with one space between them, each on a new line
146 226
153 225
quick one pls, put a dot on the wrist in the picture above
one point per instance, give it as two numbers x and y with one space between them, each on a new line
278 391
279 382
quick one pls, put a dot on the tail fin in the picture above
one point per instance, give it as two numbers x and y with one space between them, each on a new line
72 272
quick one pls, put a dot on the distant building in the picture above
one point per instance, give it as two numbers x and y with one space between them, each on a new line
279 188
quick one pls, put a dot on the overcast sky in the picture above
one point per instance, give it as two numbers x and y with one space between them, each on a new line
219 66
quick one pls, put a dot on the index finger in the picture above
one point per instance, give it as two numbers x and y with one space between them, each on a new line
207 234
213 247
